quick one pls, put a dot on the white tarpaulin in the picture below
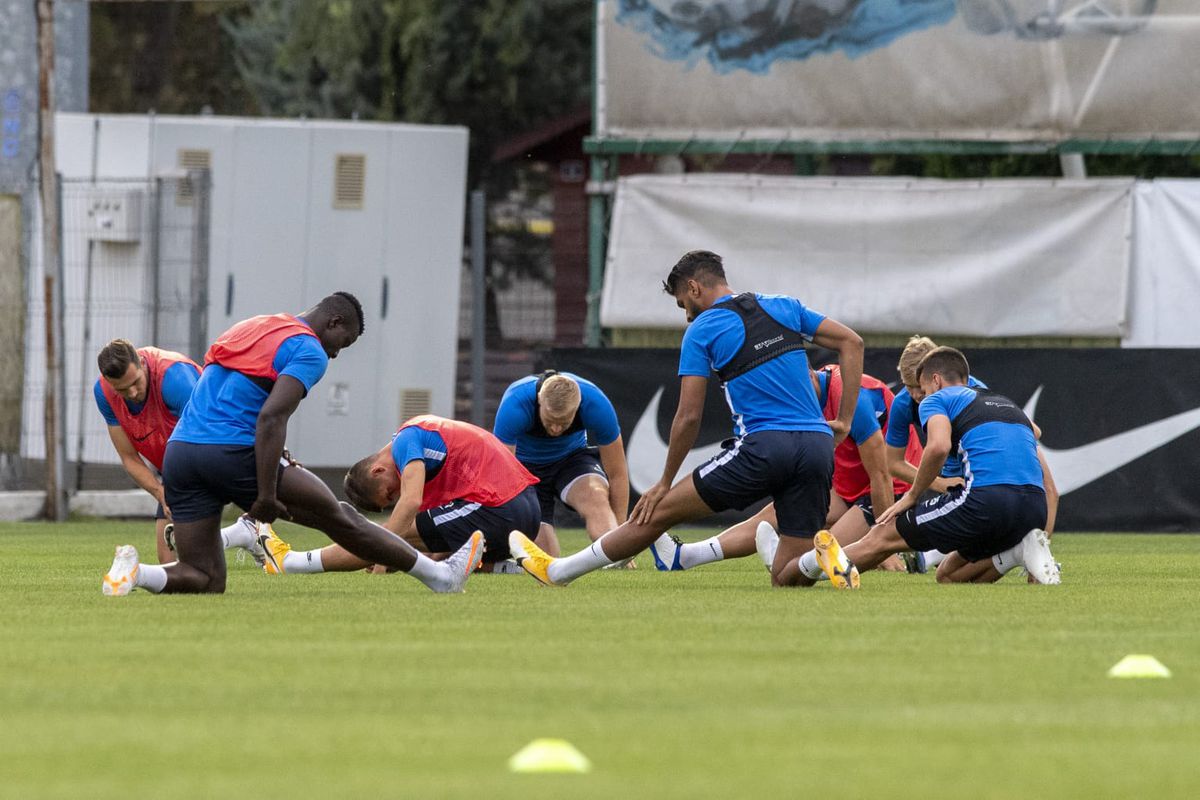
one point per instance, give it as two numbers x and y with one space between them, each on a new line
1165 286
994 258
836 70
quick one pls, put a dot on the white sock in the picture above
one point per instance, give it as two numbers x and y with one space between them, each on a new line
152 577
934 557
706 552
809 566
1007 561
592 557
308 561
239 534
434 574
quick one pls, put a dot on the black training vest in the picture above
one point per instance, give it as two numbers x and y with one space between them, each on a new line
766 339
988 406
538 429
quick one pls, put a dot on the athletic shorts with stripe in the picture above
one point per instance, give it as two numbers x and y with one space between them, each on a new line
200 479
444 529
556 478
793 468
978 522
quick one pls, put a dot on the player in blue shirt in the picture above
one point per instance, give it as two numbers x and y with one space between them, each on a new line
547 421
783 447
229 448
999 511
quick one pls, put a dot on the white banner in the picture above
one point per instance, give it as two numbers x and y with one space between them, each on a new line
836 70
1165 286
994 258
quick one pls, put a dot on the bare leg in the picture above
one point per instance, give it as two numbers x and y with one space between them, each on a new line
738 541
165 554
589 497
201 564
837 507
547 539
311 503
852 527
956 569
785 569
879 543
680 504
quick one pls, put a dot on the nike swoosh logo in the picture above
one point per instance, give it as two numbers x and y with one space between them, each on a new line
646 452
1078 466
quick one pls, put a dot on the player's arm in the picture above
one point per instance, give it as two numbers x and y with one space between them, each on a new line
684 430
612 458
1051 492
898 466
937 447
412 489
874 461
142 475
270 432
834 335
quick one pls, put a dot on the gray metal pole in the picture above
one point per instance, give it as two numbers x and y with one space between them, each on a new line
478 305
53 416
155 260
85 351
198 323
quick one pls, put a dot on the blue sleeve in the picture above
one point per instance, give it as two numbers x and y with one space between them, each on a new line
598 415
693 352
177 386
791 312
301 357
899 419
865 423
932 406
975 383
102 404
514 417
407 446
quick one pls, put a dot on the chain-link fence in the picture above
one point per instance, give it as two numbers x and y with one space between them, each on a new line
135 266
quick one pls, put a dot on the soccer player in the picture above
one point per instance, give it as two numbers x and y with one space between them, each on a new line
547 420
228 448
999 511
443 480
783 447
140 393
860 483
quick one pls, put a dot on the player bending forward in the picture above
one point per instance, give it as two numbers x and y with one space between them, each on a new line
999 512
228 448
443 480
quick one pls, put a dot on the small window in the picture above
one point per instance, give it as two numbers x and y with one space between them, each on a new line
349 180
414 402
189 160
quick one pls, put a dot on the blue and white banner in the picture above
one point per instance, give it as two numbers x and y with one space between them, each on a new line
833 70
1120 428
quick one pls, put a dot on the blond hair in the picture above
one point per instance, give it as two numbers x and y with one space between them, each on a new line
559 394
910 358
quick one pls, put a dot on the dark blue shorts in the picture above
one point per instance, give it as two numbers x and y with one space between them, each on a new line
200 479
978 522
556 478
446 528
865 504
793 468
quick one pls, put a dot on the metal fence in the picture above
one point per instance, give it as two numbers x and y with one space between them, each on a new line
135 266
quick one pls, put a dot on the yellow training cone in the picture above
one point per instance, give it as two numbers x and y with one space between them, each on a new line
549 755
1139 666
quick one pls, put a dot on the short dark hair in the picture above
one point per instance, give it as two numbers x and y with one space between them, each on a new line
951 364
115 358
346 305
700 265
357 484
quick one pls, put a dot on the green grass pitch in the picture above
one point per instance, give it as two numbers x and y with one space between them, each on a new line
706 683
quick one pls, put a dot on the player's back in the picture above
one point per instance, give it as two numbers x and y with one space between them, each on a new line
991 434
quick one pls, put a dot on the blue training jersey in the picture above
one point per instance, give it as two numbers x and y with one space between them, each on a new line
777 395
516 417
225 403
994 438
868 409
904 413
177 385
415 442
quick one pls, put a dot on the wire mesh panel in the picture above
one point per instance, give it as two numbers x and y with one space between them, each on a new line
135 266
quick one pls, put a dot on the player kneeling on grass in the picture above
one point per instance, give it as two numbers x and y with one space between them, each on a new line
228 448
546 420
1000 510
443 480
141 393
